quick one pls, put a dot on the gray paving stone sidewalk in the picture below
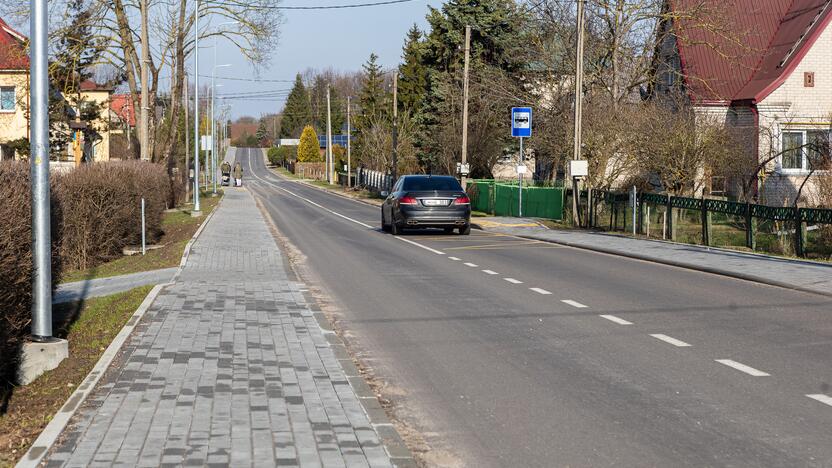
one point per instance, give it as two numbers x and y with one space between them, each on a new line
229 367
115 284
797 274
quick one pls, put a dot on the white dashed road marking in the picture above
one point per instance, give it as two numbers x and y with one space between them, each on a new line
490 272
472 265
574 303
456 259
671 340
743 368
613 318
825 399
540 291
513 281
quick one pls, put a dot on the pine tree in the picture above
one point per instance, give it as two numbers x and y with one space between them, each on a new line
297 113
373 98
262 133
413 75
309 148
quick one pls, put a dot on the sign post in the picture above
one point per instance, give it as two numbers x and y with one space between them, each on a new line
521 127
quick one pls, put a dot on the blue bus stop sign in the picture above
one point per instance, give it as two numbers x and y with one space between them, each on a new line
521 122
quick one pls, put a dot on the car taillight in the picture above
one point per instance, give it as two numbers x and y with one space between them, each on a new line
407 200
463 200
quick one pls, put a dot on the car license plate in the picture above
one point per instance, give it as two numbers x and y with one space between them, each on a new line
435 202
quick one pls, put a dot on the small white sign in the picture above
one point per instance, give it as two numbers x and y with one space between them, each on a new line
205 142
521 169
579 168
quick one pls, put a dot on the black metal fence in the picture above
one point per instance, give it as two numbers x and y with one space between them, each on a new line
804 232
375 181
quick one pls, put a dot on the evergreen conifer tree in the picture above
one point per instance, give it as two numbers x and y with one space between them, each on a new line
298 111
373 97
413 75
309 148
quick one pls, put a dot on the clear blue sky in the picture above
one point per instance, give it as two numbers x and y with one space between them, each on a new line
342 39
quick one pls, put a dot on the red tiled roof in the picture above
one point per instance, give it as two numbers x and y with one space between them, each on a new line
748 47
12 51
122 106
90 85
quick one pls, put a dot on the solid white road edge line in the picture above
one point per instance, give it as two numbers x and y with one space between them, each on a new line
825 399
671 340
742 368
513 281
251 168
490 272
613 318
574 303
540 291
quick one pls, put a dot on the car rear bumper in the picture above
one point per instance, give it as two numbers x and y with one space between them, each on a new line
435 218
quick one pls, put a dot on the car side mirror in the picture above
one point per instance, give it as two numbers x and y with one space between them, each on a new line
385 193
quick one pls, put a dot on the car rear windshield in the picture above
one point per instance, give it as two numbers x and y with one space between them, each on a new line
425 184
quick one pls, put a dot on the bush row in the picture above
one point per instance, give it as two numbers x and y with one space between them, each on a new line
95 212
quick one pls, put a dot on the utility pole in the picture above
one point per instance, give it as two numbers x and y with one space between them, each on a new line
329 162
196 211
395 160
39 149
349 146
579 86
465 103
213 126
207 168
185 97
145 143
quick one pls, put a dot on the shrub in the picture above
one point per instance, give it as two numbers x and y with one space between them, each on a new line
103 209
274 156
16 264
309 148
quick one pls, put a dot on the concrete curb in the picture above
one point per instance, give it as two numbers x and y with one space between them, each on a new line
53 430
687 266
187 252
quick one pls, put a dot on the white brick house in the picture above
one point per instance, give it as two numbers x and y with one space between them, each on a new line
771 75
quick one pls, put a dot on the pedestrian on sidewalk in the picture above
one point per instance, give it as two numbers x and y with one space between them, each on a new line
238 174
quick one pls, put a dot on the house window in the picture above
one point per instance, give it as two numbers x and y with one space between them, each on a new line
7 97
803 147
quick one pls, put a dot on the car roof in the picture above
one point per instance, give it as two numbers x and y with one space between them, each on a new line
428 176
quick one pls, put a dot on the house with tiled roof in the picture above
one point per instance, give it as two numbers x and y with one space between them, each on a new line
765 66
14 86
89 141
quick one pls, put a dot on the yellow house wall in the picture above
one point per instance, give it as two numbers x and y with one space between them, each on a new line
13 125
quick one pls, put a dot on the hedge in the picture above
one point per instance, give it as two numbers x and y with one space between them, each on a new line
95 213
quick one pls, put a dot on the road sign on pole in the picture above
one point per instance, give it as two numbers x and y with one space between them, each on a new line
521 127
521 122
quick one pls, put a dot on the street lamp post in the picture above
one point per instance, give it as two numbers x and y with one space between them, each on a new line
214 145
196 211
39 163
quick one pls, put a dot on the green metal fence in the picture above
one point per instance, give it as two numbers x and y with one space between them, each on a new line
502 199
804 232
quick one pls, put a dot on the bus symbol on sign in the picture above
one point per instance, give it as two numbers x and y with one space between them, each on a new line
521 122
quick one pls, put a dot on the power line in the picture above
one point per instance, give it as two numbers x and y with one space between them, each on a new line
256 80
324 7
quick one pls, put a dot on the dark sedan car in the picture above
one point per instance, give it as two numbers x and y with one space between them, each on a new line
421 201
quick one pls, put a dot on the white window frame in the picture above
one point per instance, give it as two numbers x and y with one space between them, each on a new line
14 99
804 164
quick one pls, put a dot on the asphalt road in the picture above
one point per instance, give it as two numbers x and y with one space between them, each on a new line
509 352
